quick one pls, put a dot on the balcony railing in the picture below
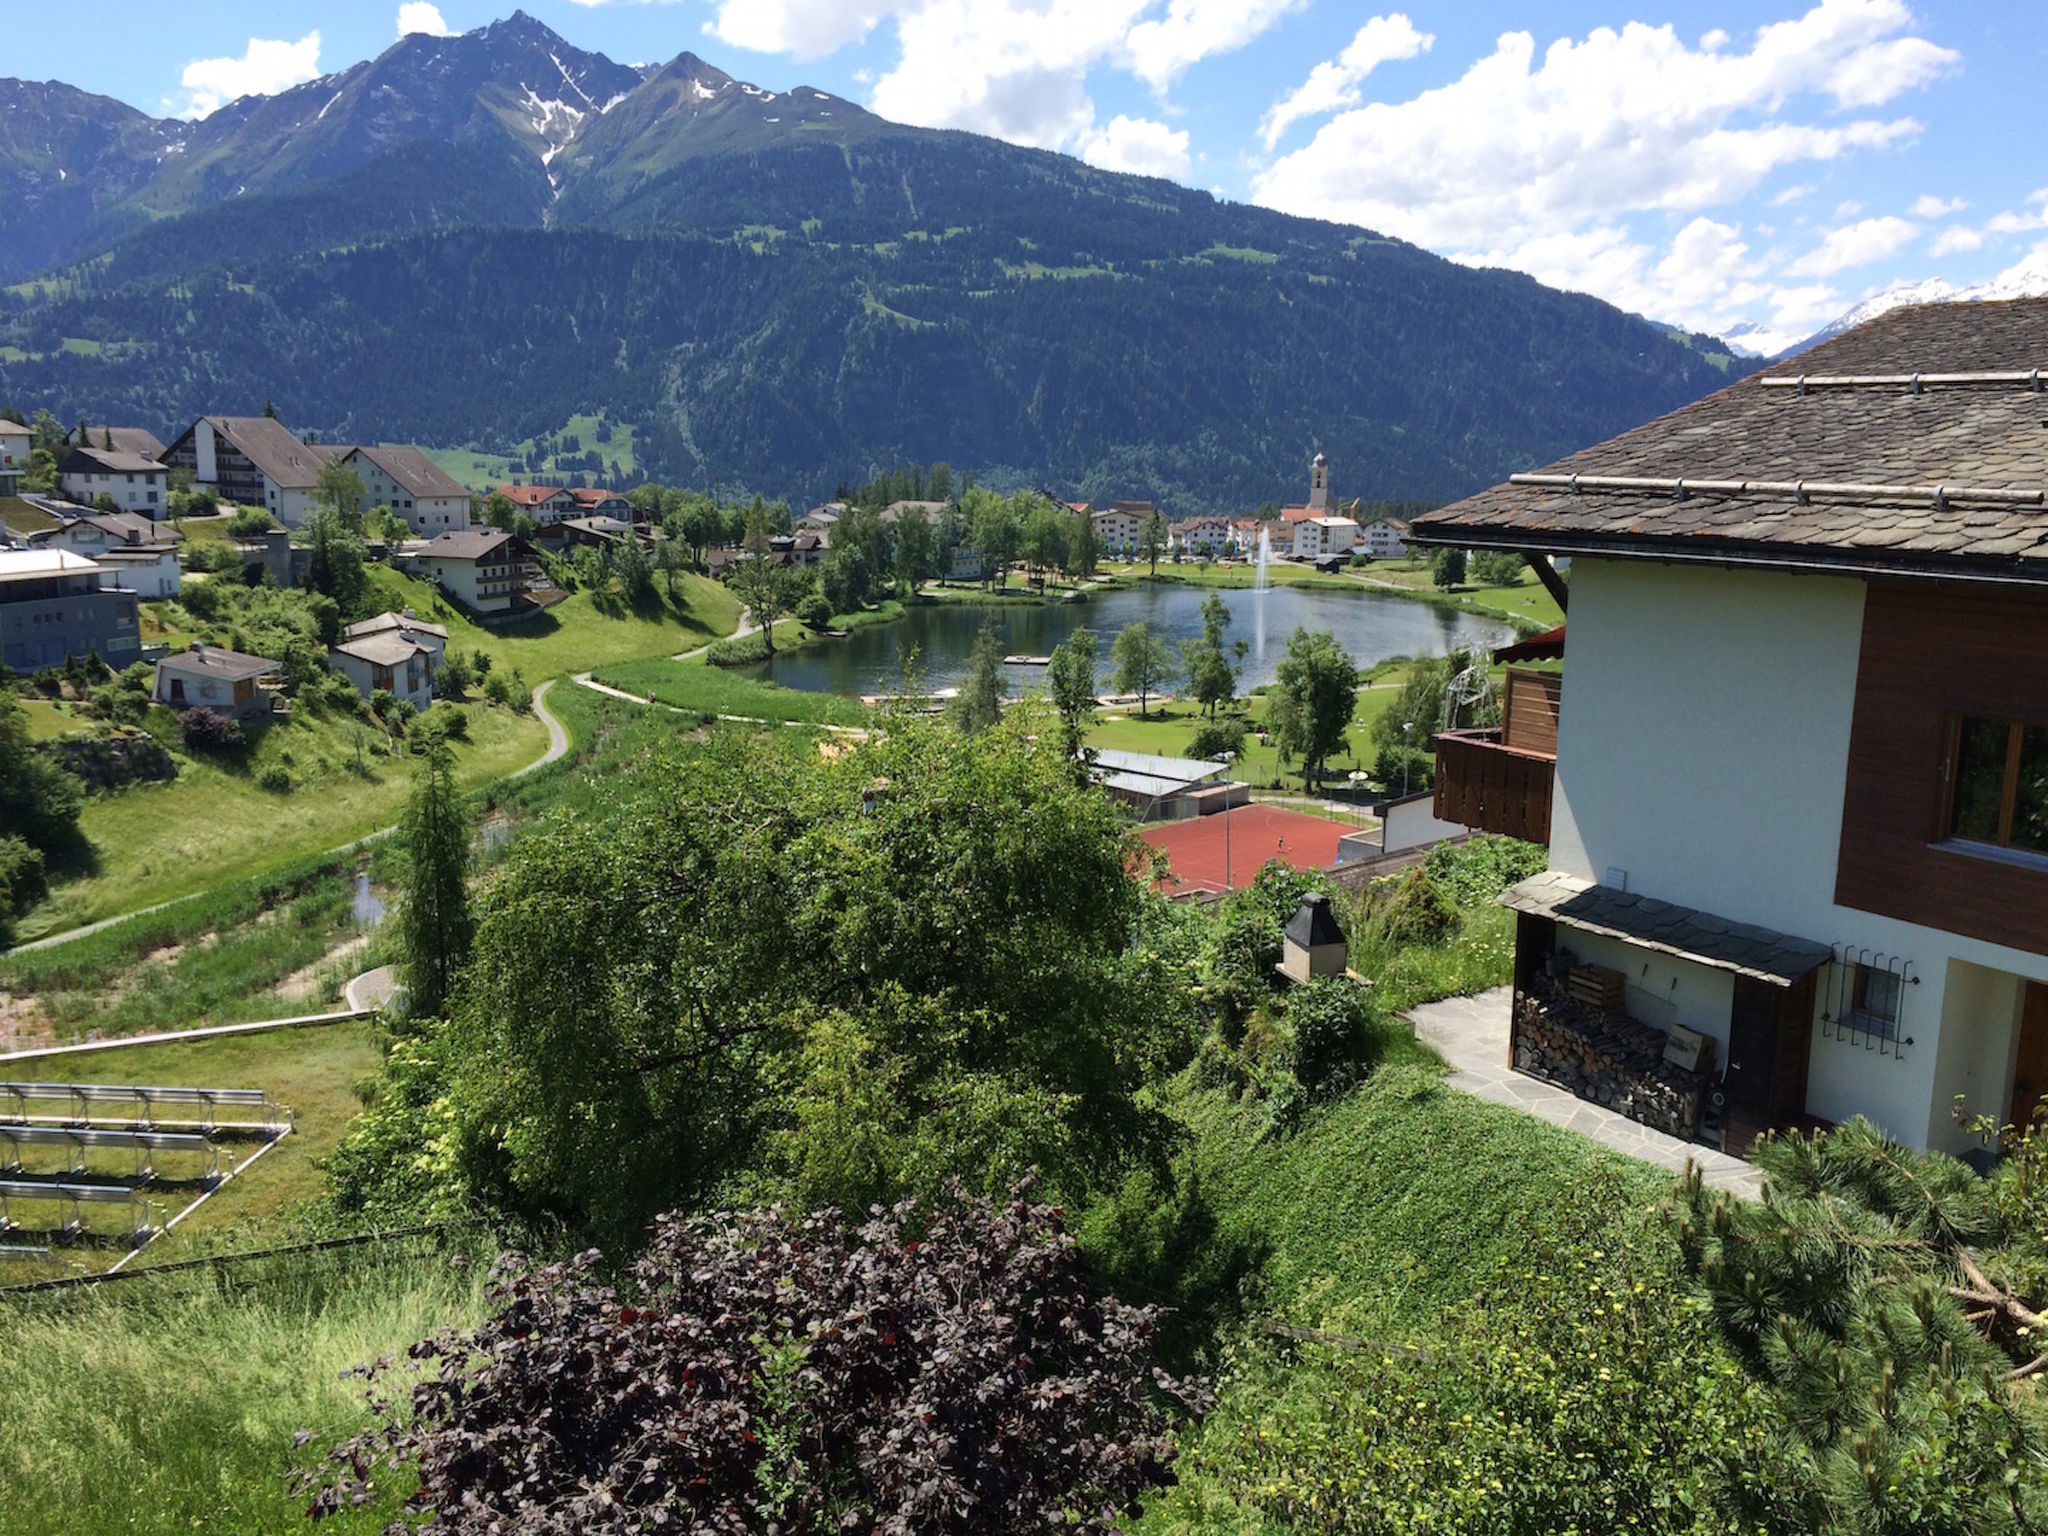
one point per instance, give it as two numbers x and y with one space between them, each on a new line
1488 786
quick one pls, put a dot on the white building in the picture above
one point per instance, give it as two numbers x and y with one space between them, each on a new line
395 652
1204 536
133 553
253 461
1315 537
15 443
1120 528
482 568
130 481
1800 798
1385 538
413 486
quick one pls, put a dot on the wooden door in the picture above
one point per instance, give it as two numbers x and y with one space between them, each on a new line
2030 1070
1769 1038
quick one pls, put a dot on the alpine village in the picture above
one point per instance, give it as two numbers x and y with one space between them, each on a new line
725 813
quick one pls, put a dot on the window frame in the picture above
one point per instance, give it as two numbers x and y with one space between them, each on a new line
2000 843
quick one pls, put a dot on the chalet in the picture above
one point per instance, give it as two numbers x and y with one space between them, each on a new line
16 441
1385 538
55 605
133 553
136 440
253 461
395 652
821 518
599 532
413 486
543 503
596 501
1797 796
215 678
130 481
482 568
1317 538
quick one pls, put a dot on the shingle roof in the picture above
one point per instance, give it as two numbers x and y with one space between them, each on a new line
395 622
418 474
268 444
1726 945
219 661
384 650
126 439
1835 475
530 495
109 461
465 544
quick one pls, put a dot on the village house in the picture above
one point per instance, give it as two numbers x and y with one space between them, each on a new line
933 510
1318 538
413 486
252 461
395 652
596 501
16 441
136 440
1206 537
543 503
1385 538
1797 794
1119 528
482 568
55 605
821 518
598 532
133 553
214 678
130 481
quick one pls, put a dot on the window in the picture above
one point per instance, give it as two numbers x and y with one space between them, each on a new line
1997 784
1874 999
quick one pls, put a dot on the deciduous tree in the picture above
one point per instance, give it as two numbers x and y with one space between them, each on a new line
1144 662
1070 682
1211 662
1320 685
1153 539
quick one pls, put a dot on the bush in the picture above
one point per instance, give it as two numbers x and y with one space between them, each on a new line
497 689
1447 570
206 730
249 523
453 678
382 702
1497 568
1411 910
274 779
1472 873
1338 1034
22 882
739 651
1217 737
951 1373
1248 946
814 612
1421 766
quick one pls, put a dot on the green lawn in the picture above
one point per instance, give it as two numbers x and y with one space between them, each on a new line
712 690
313 1072
48 719
1527 600
155 842
577 633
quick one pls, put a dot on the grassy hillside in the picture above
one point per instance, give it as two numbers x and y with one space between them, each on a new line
578 633
212 823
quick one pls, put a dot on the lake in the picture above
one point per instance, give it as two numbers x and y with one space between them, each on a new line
1369 625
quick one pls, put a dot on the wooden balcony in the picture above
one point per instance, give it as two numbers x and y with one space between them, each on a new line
1489 786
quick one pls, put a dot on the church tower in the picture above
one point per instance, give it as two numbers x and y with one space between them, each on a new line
1319 487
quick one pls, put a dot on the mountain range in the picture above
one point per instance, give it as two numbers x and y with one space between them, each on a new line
474 240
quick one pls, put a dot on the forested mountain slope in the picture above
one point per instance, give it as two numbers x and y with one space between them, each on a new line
470 240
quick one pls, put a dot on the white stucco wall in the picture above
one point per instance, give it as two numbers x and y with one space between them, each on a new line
1702 747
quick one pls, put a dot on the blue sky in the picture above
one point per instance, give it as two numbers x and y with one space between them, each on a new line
1758 166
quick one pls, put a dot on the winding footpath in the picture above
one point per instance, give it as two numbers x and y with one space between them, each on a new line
558 748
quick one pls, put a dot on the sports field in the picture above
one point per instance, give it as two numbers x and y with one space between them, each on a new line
1224 851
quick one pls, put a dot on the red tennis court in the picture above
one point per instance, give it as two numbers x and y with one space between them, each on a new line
1225 851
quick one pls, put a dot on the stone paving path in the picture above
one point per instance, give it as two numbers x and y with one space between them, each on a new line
1471 1033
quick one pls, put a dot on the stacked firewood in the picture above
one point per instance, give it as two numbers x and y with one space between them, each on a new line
1605 1057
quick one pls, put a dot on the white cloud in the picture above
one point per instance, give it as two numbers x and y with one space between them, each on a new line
1157 51
269 65
422 16
1570 162
1016 69
1141 146
1334 83
2019 221
1848 209
1958 238
1791 195
1854 245
1931 207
